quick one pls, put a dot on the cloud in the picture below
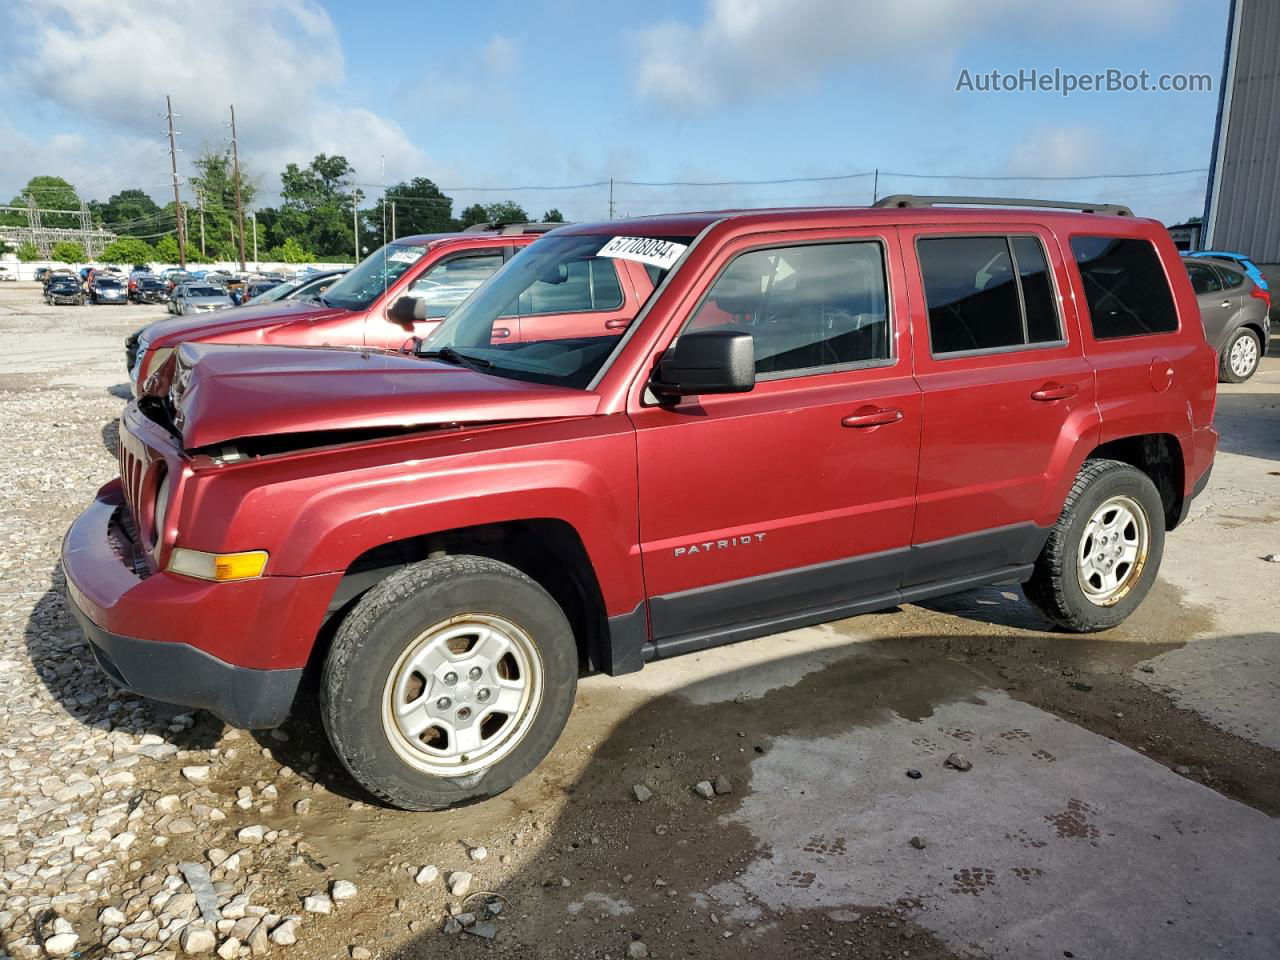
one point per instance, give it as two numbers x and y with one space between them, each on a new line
747 49
280 62
501 55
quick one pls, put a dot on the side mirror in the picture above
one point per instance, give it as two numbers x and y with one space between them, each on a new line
408 309
706 361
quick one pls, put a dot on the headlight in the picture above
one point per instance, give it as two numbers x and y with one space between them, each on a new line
218 566
151 360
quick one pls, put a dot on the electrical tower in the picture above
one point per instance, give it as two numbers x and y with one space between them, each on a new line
177 199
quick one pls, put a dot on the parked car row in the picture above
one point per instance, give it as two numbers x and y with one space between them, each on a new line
514 456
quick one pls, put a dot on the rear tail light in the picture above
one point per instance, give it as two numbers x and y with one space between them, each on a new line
1263 295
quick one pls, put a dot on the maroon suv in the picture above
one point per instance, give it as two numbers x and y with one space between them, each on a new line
400 291
812 413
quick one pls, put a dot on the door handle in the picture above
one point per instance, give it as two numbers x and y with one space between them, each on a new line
872 417
1055 391
501 332
618 324
1226 303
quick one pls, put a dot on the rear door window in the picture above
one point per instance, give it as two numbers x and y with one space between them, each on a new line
987 293
578 286
1231 279
1204 279
447 284
1125 286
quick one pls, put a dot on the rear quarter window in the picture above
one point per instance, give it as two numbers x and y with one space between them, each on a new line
1125 286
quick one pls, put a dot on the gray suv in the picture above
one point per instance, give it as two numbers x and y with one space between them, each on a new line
1234 312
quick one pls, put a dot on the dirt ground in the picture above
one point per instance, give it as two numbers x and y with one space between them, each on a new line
1122 801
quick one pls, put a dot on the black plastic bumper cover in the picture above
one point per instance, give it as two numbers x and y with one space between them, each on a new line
178 673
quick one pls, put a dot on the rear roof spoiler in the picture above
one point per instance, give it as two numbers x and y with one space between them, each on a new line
912 200
511 229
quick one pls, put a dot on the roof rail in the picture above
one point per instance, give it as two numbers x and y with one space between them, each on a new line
911 200
511 229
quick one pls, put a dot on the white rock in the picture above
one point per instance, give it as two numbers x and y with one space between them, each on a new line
317 903
196 774
197 940
704 789
229 948
61 944
478 853
253 834
111 917
283 935
426 875
459 883
343 890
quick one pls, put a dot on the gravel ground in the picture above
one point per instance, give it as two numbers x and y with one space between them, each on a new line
131 828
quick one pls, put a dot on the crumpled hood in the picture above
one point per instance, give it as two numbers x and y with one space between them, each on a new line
224 392
264 317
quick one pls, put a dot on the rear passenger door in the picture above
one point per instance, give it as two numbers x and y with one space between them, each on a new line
1217 306
1006 390
591 297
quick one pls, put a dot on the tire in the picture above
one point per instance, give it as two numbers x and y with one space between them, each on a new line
1240 357
1073 593
380 658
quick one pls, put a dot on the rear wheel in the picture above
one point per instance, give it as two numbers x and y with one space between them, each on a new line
1240 357
448 682
1103 554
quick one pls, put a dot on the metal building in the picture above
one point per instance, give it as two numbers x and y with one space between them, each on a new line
1242 211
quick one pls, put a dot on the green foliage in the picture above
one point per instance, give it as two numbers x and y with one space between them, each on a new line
420 208
128 250
506 211
553 216
28 252
51 193
130 213
289 252
215 190
166 249
476 213
67 251
316 205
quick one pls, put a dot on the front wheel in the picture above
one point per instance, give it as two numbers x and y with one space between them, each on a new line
1103 554
448 682
1240 357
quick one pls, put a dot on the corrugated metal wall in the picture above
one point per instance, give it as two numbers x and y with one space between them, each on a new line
1247 214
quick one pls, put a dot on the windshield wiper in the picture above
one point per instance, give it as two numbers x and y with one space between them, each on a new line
450 355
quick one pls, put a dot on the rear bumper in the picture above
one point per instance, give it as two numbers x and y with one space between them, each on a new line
1204 447
235 649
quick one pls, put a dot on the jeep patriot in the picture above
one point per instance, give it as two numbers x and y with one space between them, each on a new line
814 413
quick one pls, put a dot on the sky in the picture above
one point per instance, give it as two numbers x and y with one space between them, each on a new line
513 96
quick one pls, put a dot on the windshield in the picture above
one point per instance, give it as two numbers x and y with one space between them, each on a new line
555 311
278 292
204 292
364 283
107 281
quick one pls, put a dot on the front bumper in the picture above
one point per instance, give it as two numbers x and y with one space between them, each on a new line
235 649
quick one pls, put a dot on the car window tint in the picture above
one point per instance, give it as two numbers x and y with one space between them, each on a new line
1231 279
1204 279
1125 287
805 307
1038 301
447 284
971 293
578 285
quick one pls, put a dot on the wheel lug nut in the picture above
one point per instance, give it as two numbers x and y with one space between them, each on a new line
474 673
444 703
451 678
464 713
482 694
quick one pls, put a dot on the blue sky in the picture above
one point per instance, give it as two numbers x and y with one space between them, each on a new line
514 94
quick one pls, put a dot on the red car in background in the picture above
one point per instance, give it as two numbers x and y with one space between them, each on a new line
398 292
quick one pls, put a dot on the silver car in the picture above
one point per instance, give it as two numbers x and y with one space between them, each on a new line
1234 312
199 298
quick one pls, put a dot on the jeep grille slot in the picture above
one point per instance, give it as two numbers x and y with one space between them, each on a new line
131 474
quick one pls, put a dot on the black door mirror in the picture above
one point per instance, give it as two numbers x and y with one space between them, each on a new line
408 309
707 361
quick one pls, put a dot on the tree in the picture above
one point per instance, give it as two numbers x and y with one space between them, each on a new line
420 207
476 213
215 189
316 205
27 252
553 216
506 211
67 251
128 250
129 212
51 193
289 252
166 249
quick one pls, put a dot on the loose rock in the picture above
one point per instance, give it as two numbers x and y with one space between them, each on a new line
426 875
459 883
722 786
197 940
704 789
343 890
641 792
958 761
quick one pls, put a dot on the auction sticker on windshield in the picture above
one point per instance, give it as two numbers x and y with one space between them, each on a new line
657 253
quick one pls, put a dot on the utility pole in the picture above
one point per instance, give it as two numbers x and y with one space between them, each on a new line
611 198
254 217
84 230
875 187
356 197
235 160
393 219
177 199
200 201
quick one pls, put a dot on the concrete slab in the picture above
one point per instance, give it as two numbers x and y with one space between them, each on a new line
1058 843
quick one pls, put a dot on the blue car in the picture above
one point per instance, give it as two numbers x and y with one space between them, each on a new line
1239 259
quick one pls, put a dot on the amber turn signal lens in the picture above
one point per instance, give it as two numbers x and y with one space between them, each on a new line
218 566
